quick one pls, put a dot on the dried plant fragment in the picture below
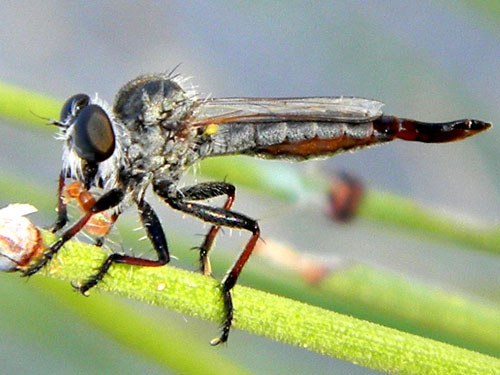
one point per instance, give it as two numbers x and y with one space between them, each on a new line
20 240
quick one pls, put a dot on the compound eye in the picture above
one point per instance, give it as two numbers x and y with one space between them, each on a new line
93 136
73 106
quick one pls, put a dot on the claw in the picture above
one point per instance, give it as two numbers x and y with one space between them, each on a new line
35 267
216 341
80 288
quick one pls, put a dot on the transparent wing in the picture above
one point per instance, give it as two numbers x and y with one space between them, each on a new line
334 109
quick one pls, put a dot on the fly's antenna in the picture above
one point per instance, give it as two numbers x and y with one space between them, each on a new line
48 121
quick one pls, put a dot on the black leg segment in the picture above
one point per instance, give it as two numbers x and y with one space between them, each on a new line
62 212
204 191
218 217
156 236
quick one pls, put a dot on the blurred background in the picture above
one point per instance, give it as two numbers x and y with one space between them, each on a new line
434 61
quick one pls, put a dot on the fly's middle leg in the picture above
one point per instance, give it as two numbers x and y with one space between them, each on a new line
204 191
155 234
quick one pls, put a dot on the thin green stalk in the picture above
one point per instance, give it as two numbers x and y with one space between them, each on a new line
389 299
417 307
157 341
275 317
425 223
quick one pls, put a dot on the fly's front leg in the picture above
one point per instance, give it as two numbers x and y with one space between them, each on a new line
204 191
107 201
62 212
218 217
156 236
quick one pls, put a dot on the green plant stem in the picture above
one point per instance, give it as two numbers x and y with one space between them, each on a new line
416 307
387 298
157 341
275 317
425 223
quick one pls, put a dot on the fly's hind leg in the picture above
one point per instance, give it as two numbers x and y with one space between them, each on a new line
156 236
205 191
218 217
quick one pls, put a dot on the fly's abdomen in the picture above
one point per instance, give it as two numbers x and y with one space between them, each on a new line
313 139
291 139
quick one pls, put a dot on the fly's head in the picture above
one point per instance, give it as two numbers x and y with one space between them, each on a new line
92 150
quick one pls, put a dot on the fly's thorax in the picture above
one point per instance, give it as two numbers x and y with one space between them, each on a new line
154 100
153 147
155 109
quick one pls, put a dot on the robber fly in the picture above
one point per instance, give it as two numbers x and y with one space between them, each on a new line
156 130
